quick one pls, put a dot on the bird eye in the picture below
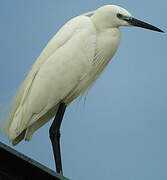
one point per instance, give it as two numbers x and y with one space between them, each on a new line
120 16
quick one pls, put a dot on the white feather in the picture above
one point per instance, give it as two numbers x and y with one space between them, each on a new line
66 68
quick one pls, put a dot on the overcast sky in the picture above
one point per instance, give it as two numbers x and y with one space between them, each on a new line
120 132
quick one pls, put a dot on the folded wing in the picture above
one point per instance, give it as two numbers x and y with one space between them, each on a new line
53 78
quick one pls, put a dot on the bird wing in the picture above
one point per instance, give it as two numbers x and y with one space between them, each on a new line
55 74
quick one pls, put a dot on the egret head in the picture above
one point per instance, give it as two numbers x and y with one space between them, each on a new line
114 16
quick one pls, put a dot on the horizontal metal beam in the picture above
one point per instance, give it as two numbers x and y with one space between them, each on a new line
14 166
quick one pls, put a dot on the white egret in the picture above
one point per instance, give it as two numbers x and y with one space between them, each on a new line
66 68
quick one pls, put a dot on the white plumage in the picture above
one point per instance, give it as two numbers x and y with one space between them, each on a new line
66 68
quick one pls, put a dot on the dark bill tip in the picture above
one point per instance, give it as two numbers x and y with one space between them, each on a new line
138 23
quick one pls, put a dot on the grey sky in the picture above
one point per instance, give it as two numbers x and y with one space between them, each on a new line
120 132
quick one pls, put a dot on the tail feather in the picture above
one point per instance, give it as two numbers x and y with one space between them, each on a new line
18 125
18 138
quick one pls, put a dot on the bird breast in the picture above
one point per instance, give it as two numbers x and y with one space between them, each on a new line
106 44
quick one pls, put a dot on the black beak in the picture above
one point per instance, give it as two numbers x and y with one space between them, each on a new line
138 23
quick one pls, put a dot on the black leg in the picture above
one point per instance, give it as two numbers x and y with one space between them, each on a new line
54 133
